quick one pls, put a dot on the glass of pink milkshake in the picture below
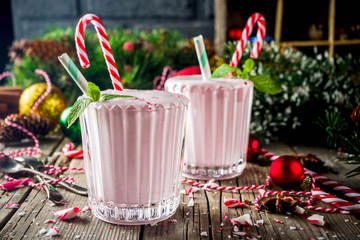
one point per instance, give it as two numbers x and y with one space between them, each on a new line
218 125
133 155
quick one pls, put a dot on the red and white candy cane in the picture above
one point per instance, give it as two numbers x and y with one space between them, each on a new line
68 150
320 179
105 46
16 183
8 74
339 203
48 90
260 36
167 73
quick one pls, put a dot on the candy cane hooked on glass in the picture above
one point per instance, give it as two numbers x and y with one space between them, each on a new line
260 36
105 46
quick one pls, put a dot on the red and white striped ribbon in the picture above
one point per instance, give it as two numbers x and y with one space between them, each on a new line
226 188
167 73
48 90
261 23
23 151
105 46
8 74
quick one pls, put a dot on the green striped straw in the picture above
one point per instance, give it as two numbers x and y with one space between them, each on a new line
202 57
74 72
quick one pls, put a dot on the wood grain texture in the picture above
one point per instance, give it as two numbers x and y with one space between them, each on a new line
208 214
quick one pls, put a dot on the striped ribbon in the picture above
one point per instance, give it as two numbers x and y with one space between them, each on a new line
46 93
8 74
105 46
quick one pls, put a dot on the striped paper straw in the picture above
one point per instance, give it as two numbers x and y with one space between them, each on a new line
202 57
74 72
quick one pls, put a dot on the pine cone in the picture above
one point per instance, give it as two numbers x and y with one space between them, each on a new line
48 49
36 124
44 49
17 51
355 115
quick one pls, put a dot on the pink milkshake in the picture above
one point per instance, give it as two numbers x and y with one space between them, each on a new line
218 125
132 152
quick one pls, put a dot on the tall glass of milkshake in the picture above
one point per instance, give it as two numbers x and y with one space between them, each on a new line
133 155
218 125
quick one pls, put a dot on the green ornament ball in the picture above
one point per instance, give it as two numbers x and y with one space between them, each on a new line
73 132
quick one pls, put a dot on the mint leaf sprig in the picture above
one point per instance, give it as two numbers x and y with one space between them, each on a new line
95 95
262 83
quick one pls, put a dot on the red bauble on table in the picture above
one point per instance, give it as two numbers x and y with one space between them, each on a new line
286 170
254 147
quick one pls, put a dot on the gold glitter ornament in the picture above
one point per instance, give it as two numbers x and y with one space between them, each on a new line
51 107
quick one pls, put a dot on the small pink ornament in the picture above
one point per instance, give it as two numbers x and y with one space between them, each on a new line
52 232
233 203
13 205
128 46
316 219
67 213
15 184
243 220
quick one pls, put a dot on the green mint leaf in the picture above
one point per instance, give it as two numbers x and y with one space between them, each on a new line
77 109
93 91
249 65
266 84
107 96
245 75
223 70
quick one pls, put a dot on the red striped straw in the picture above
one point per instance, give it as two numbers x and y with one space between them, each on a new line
105 46
48 90
260 36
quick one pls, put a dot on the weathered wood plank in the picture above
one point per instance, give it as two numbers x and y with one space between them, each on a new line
20 195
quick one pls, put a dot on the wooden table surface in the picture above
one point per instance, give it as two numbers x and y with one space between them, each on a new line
207 215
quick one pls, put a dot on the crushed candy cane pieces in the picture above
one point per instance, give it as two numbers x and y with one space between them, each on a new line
49 221
243 220
67 213
233 203
242 234
13 205
52 232
260 222
299 210
316 219
85 209
277 220
203 234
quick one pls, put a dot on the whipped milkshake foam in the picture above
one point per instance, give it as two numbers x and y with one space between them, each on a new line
132 152
218 125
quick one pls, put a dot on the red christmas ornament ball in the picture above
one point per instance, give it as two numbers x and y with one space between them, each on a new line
253 147
286 170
